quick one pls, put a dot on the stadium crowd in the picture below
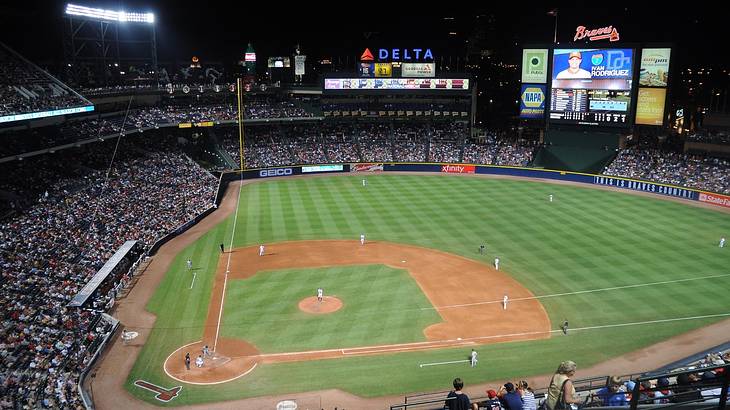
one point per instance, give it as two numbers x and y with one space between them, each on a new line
69 220
377 142
663 162
24 88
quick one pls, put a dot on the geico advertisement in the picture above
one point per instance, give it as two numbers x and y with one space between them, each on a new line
275 172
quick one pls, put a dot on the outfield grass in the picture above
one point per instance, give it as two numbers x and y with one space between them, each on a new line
586 239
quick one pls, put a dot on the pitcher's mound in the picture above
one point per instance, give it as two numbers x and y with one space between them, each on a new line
328 304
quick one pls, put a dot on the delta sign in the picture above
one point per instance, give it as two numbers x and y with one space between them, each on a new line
398 54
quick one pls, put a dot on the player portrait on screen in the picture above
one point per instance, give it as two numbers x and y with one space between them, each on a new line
574 70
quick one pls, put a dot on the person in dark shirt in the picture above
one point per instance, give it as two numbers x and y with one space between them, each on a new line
509 398
456 400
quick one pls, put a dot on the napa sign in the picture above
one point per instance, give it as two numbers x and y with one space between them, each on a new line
398 54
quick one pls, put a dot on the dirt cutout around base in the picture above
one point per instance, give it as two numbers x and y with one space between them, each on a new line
329 304
466 293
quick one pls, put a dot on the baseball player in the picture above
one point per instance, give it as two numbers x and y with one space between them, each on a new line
187 361
564 327
320 294
505 299
190 264
199 361
364 182
262 250
722 242
222 248
206 351
481 249
551 197
496 263
474 358
362 239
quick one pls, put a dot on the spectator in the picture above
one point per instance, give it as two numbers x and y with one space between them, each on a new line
456 399
561 392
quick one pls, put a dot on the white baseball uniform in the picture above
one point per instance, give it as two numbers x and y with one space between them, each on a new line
504 302
199 361
190 264
722 242
362 239
551 197
496 263
261 250
474 358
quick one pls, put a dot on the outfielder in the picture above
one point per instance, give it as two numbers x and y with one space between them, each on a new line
190 264
722 242
320 294
551 197
261 250
364 182
505 299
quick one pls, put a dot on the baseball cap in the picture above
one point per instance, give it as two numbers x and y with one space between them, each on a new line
574 54
491 394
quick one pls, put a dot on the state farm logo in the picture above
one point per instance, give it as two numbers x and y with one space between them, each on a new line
277 172
458 169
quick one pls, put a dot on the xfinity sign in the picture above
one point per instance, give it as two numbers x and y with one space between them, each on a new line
276 172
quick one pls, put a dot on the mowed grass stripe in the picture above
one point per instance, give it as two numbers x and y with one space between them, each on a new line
585 239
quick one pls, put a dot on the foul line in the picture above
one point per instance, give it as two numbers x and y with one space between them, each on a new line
578 292
193 282
228 264
446 343
440 363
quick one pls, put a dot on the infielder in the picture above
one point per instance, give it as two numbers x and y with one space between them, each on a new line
496 263
190 264
564 327
362 239
320 294
262 249
474 358
505 299
722 242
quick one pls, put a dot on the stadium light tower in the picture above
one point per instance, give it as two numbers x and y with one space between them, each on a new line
103 46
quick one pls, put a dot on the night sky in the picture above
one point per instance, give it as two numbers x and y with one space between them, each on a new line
215 31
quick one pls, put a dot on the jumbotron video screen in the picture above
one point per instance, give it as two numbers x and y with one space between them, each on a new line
591 86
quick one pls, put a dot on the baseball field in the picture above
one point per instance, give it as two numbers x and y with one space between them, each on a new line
626 271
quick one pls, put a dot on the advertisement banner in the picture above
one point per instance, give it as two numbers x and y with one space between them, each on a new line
654 69
396 84
715 199
652 187
534 65
650 106
383 69
418 69
532 101
458 169
322 168
366 167
367 69
299 64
